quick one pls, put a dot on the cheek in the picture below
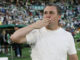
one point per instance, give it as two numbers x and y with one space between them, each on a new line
44 16
54 19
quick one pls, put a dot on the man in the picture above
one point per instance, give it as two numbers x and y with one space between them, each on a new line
47 39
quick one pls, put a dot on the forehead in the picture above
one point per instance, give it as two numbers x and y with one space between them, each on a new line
50 8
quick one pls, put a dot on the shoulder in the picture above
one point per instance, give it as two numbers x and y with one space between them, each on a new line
67 35
66 32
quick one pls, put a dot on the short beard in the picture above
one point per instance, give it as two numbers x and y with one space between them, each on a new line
50 26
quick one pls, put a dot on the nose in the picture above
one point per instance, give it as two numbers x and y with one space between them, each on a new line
48 15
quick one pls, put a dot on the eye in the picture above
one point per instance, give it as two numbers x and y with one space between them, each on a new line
51 12
45 12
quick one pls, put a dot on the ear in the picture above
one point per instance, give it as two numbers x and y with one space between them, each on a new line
59 17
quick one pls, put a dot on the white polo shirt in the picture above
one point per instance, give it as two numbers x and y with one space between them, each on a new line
51 44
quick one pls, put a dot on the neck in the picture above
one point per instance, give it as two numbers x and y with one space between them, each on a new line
52 27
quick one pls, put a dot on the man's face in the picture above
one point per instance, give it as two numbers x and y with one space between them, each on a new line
51 13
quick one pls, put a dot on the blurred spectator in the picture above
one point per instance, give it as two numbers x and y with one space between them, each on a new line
4 43
17 47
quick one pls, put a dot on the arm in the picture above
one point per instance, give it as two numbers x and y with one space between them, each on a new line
73 57
20 35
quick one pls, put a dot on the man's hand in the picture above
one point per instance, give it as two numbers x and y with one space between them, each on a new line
41 23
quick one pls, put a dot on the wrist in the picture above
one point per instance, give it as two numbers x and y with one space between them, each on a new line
32 26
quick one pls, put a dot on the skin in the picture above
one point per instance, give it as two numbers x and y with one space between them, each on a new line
50 21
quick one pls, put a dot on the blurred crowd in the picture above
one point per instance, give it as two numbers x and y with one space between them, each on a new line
31 12
19 14
28 13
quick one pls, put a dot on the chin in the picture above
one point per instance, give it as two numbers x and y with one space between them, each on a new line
51 23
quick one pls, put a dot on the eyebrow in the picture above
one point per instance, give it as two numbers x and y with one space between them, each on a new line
48 11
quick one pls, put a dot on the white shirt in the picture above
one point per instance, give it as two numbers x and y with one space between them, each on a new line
51 45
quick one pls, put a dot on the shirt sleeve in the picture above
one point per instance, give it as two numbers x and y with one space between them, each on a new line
72 48
32 37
